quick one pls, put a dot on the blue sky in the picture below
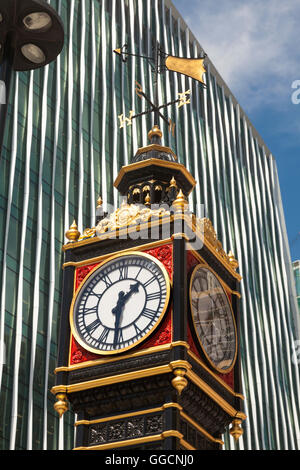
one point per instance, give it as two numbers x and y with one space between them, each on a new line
254 45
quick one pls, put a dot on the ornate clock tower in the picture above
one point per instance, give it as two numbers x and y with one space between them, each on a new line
149 336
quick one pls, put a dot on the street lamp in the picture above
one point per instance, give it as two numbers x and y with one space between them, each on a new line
31 36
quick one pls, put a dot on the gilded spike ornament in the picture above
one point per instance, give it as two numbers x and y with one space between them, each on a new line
73 234
180 202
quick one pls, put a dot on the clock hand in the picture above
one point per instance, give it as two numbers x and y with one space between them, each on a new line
123 298
134 288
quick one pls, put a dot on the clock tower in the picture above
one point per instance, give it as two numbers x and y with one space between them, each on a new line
149 336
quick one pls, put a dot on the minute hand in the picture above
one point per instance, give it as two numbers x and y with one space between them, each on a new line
120 306
133 290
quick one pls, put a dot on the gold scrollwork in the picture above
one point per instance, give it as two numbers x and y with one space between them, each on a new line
129 214
206 227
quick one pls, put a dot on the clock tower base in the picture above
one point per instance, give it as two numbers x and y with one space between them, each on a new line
161 420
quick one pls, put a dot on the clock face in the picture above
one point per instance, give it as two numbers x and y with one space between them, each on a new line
120 303
213 319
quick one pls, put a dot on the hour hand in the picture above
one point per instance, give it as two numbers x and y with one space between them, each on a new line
134 288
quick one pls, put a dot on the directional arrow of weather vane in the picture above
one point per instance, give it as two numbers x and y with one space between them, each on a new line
160 62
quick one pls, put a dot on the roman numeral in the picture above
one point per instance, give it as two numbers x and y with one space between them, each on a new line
119 336
87 311
98 296
123 273
153 296
137 330
148 313
152 279
103 337
138 273
107 281
93 326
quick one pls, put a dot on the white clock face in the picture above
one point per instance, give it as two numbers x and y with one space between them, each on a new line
213 319
120 303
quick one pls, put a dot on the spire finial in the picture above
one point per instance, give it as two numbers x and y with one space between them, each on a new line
180 202
73 234
173 183
148 200
155 135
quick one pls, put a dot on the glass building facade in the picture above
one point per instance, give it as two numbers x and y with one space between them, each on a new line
296 268
63 147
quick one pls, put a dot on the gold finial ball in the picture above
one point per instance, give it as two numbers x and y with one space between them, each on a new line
73 234
61 405
179 382
236 430
155 132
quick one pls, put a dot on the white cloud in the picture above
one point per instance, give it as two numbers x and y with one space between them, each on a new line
252 43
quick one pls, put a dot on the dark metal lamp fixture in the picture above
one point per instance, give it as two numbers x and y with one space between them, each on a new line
31 34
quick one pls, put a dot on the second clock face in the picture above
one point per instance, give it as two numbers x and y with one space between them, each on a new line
120 303
213 319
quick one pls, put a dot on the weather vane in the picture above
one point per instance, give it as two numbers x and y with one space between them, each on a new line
161 62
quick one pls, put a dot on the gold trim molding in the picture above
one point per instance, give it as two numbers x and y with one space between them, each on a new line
158 148
97 362
165 369
163 347
137 441
99 259
201 227
85 422
157 162
216 377
131 218
200 429
215 396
